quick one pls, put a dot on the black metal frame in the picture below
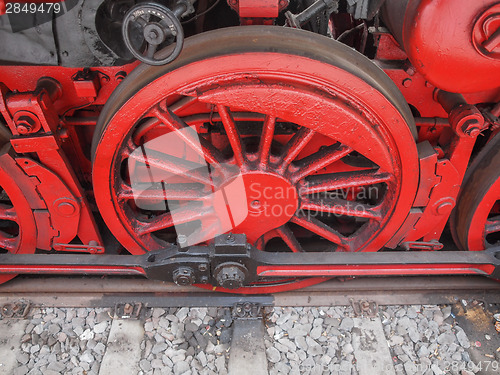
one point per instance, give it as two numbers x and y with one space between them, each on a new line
231 262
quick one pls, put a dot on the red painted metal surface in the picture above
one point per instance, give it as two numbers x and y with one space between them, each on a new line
454 44
377 270
258 12
326 145
250 131
18 233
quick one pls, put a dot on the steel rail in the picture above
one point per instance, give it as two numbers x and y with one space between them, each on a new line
63 291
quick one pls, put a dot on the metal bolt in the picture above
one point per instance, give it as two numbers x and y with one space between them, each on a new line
22 129
63 133
26 122
472 128
410 70
230 238
444 206
183 276
120 75
203 267
255 204
407 82
473 132
66 209
25 125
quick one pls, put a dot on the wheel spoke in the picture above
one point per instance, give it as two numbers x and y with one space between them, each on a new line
182 103
320 159
151 50
188 134
141 21
266 139
168 220
295 145
215 117
162 192
8 213
8 243
232 134
143 129
289 238
343 180
168 163
341 207
321 229
492 225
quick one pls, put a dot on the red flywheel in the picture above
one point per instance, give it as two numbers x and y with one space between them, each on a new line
251 130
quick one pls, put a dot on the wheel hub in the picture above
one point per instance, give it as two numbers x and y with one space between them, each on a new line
154 34
271 200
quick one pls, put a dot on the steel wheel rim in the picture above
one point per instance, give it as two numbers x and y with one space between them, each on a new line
485 221
476 216
314 80
21 236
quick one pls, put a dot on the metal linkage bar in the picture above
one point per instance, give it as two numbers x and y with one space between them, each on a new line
381 263
231 263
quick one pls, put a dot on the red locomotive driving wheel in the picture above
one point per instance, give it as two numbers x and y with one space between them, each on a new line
475 223
252 130
17 225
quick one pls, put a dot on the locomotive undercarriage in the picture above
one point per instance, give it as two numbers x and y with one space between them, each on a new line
259 159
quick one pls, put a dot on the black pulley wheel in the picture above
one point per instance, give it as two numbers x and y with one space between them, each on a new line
150 27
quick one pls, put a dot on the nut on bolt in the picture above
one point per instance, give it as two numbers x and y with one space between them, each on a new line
182 241
26 122
444 206
467 120
472 128
183 276
231 275
203 267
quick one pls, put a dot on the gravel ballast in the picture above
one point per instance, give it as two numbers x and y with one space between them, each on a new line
417 339
421 339
64 341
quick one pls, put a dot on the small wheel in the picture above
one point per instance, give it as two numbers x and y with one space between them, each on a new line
322 144
475 222
17 224
149 27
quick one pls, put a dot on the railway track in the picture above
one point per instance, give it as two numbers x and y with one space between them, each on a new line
58 291
368 300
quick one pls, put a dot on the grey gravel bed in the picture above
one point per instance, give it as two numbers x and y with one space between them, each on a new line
305 340
64 341
299 340
176 340
421 339
186 341
426 340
